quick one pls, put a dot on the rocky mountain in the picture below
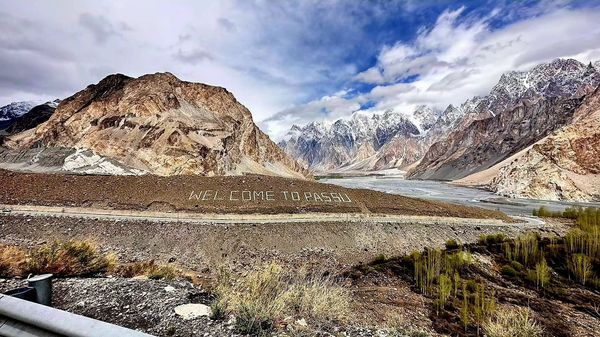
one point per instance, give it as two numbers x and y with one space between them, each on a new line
325 147
562 166
520 110
161 125
14 110
34 117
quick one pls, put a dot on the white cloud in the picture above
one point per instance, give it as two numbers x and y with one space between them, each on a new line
460 57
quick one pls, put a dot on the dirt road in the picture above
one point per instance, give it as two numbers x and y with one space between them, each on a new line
208 218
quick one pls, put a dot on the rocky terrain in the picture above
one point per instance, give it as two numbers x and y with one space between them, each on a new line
563 165
356 141
520 110
197 194
161 125
485 142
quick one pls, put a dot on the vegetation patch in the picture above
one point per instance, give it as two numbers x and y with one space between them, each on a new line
74 258
271 297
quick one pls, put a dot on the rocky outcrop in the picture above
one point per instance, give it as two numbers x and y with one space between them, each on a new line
563 166
161 125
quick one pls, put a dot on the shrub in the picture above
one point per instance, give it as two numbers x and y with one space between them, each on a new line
270 293
452 244
512 323
70 258
509 271
581 266
492 239
147 268
13 261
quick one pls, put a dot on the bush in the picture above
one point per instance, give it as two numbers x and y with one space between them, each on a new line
512 323
492 239
271 293
147 268
13 261
452 244
509 271
581 266
70 258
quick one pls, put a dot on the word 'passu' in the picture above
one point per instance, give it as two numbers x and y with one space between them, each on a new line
214 195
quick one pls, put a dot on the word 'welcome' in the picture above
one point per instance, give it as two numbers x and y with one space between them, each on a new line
245 196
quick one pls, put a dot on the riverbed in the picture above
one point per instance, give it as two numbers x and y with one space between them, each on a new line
442 191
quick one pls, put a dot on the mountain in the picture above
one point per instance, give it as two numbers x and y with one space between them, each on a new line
161 125
520 110
324 147
562 166
34 117
14 110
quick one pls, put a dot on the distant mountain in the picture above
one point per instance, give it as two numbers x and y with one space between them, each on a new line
31 119
14 110
323 147
435 138
155 124
520 110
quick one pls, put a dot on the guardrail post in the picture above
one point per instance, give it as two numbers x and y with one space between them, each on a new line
43 288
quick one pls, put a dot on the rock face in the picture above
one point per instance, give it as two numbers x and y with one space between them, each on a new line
486 142
563 166
161 125
521 109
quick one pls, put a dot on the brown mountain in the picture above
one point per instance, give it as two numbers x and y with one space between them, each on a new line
161 125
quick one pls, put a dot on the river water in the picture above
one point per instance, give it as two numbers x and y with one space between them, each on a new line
436 190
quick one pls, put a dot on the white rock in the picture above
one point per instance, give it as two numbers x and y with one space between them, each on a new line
169 289
301 322
192 310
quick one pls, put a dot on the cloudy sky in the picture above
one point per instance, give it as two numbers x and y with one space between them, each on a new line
292 61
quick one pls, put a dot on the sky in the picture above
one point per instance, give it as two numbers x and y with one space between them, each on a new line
292 62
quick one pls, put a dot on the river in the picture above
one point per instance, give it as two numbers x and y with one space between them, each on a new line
436 190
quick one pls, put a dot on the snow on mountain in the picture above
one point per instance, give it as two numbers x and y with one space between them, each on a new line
16 109
555 82
323 146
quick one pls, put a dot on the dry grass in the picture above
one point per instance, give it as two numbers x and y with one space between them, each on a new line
147 268
269 294
512 322
70 258
13 261
75 258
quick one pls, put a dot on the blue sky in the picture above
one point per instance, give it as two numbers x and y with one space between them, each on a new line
292 62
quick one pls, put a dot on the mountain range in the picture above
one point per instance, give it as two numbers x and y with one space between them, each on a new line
523 108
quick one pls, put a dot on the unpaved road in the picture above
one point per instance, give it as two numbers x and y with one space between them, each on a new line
208 218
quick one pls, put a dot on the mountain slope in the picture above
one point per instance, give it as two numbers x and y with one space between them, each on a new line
521 109
159 124
563 166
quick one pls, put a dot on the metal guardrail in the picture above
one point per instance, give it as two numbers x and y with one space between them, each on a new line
21 318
